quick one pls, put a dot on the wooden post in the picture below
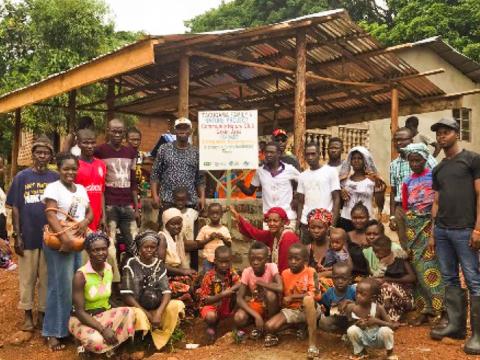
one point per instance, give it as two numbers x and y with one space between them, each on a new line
183 86
110 100
300 115
16 142
394 121
72 104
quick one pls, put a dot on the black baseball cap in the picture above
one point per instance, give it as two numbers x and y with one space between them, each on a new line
444 122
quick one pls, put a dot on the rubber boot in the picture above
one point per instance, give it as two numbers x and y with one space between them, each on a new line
456 306
472 346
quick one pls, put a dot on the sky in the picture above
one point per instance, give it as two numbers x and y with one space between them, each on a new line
157 17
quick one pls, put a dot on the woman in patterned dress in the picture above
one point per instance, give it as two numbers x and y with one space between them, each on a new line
417 201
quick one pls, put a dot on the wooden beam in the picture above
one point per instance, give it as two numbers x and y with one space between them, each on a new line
183 86
72 103
110 101
16 142
393 121
126 59
309 75
300 115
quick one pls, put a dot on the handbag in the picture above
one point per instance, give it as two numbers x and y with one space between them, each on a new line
69 227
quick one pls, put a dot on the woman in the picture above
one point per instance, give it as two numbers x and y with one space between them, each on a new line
278 237
67 197
363 185
99 327
357 240
145 288
417 201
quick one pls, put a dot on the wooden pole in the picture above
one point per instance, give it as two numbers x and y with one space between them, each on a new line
300 114
16 142
110 100
72 104
183 85
394 121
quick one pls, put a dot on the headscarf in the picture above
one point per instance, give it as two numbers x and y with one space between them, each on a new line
175 255
147 235
279 211
169 214
418 148
370 167
323 215
94 236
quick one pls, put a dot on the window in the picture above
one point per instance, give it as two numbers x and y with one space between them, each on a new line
464 119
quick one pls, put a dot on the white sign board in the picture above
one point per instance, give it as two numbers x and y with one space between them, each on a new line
228 140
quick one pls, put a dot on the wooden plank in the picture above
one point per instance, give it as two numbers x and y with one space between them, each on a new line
300 115
71 116
183 86
16 142
127 59
394 121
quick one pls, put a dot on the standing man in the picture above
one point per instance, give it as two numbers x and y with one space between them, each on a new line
277 179
412 124
318 187
177 165
121 198
335 149
399 172
456 233
280 136
28 218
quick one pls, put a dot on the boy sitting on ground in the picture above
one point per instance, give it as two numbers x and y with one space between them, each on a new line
217 291
339 295
264 285
300 290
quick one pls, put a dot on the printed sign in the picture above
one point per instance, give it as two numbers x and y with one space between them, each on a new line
228 140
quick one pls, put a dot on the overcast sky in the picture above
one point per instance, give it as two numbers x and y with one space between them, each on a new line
157 17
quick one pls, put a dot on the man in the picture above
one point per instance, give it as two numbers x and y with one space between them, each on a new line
134 139
399 172
456 233
28 218
71 140
177 165
412 124
91 174
318 187
335 149
280 136
121 198
277 179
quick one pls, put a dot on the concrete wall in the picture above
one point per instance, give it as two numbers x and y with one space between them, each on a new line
451 81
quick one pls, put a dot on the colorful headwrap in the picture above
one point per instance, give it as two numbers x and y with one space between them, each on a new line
169 214
370 167
145 236
279 132
323 215
279 211
418 148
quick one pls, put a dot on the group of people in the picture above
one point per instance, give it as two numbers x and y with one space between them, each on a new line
321 261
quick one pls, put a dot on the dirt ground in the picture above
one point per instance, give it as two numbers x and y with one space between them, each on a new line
410 343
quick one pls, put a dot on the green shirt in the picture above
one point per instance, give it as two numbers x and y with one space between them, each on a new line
97 288
374 262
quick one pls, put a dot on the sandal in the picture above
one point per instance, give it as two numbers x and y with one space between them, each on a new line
239 336
256 334
54 344
301 334
392 357
270 340
313 352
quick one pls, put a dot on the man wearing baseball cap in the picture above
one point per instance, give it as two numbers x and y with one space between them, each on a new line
280 136
456 233
28 219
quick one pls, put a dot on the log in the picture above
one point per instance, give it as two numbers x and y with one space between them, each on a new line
394 121
300 115
183 86
16 142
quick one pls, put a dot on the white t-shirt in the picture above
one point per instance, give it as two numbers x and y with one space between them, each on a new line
73 203
189 216
359 191
277 191
317 187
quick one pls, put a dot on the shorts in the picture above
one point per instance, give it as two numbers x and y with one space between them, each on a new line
295 316
257 306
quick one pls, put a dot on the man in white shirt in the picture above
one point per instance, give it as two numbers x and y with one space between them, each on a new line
277 179
318 187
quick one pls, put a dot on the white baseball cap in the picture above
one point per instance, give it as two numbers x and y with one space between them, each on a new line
183 121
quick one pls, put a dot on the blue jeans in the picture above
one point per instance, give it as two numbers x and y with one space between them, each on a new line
452 250
60 270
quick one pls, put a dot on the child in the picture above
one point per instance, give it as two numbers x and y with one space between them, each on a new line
357 239
264 286
373 327
216 232
337 296
374 231
217 291
396 278
189 215
338 250
300 290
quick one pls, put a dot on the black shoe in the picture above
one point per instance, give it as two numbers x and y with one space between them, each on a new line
456 306
472 346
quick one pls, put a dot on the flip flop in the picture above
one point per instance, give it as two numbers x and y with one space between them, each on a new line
270 340
256 334
313 352
58 346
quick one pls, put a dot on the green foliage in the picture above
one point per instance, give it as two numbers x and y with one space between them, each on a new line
177 336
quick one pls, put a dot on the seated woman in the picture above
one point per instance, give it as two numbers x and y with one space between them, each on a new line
396 277
357 239
95 324
145 288
278 237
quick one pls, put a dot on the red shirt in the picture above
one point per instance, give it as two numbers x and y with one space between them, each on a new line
92 177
